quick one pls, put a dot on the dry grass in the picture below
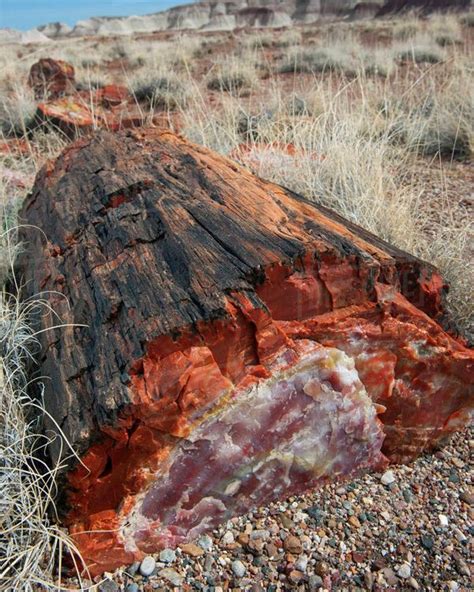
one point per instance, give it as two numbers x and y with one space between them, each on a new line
32 544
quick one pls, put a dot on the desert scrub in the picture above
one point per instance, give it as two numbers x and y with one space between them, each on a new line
32 546
233 75
468 19
445 30
160 91
419 51
18 112
343 58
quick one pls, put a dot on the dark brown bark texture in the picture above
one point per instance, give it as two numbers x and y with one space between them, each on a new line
179 274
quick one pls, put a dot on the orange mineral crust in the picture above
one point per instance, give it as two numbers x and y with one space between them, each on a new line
228 343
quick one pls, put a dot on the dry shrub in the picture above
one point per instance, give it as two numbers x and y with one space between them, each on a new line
17 111
32 546
161 91
233 75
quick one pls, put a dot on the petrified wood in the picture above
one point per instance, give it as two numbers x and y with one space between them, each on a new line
240 343
50 78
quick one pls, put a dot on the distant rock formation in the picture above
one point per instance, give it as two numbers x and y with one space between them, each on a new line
398 6
227 15
54 30
23 37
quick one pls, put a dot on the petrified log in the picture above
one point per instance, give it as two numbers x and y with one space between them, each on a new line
241 343
51 78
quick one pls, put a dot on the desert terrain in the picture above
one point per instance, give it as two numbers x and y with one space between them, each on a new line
372 118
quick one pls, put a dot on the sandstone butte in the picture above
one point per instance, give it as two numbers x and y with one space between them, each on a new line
235 343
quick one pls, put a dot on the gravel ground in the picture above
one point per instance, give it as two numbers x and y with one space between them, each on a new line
410 528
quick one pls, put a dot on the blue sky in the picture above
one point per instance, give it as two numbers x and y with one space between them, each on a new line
26 14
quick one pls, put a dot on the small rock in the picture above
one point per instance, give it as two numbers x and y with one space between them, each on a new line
133 587
167 556
132 570
453 586
354 521
205 542
462 567
272 550
147 566
443 520
192 549
295 576
228 538
460 536
238 568
108 586
301 563
404 571
427 541
389 576
413 583
321 568
314 583
171 576
260 534
387 478
293 545
467 498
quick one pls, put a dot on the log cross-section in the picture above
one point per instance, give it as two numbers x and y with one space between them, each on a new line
234 342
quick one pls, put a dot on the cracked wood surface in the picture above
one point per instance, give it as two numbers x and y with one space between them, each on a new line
198 281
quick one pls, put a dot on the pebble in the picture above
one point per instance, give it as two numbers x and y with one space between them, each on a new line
404 571
467 498
167 556
172 576
443 520
314 583
387 478
147 566
292 544
301 563
192 549
108 586
238 568
228 538
133 587
205 542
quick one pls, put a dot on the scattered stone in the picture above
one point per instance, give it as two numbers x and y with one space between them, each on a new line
387 478
301 563
293 545
205 542
295 576
133 587
427 541
228 538
192 549
167 556
404 571
413 583
467 497
147 566
443 520
171 576
108 586
314 583
238 568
